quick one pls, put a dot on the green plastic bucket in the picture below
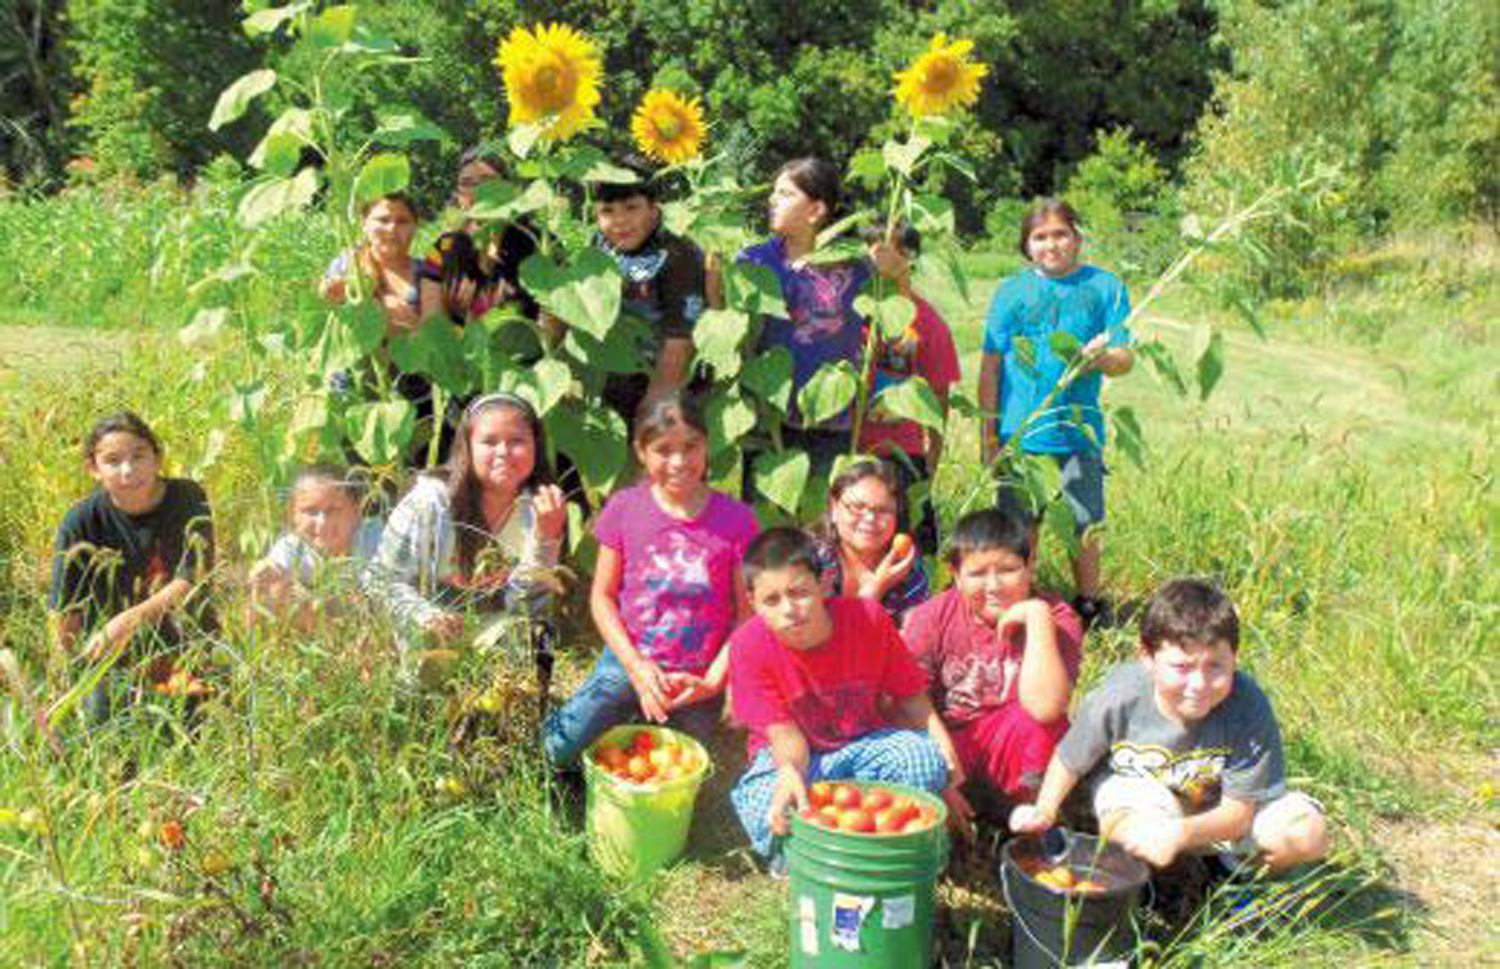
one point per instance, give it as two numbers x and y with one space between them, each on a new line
865 899
634 829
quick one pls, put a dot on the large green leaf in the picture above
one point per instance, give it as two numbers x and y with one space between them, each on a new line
281 149
406 127
268 21
332 28
903 156
769 374
585 294
754 288
1163 364
891 314
729 417
867 167
1128 436
268 199
829 392
912 400
435 349
1064 344
235 99
1209 344
594 438
781 476
718 335
381 432
384 174
619 352
932 215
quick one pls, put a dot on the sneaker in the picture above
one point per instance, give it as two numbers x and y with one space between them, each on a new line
778 868
1094 611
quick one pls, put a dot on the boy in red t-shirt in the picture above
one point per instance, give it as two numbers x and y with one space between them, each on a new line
807 676
924 350
1001 659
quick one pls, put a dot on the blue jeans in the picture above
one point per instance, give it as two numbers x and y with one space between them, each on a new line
607 699
1081 486
896 756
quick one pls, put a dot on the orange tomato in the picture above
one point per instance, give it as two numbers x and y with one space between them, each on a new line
830 815
890 821
820 794
845 796
639 768
877 800
901 545
172 834
856 819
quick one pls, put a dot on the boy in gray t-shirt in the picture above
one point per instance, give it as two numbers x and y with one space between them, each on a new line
1183 750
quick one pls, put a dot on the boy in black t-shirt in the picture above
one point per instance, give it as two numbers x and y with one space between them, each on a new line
662 292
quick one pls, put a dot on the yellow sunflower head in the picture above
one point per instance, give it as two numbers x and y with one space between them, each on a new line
669 127
941 79
551 72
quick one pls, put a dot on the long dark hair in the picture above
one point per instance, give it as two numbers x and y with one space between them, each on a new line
818 179
464 490
125 422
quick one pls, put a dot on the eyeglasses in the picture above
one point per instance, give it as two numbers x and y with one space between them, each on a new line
859 510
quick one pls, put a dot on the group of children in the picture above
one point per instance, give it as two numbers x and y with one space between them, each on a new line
839 659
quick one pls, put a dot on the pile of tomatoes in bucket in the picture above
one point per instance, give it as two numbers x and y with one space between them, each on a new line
866 810
647 759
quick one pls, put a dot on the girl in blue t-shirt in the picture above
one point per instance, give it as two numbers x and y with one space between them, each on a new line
1021 369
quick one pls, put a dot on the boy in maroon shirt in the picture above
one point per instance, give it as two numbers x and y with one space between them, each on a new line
806 677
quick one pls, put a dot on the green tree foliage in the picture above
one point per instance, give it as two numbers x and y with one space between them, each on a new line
150 71
33 89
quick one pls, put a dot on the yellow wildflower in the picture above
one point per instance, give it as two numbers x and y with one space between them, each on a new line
551 75
941 79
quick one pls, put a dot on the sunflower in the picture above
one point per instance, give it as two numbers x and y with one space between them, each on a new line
551 75
668 127
941 79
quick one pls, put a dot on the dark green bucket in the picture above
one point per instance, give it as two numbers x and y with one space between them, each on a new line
865 899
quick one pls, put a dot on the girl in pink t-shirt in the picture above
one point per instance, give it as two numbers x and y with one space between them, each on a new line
667 589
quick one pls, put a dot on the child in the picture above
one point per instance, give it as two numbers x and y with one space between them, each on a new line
808 677
131 560
667 588
821 326
328 544
1020 369
662 289
1001 662
925 350
385 260
486 533
1183 750
857 551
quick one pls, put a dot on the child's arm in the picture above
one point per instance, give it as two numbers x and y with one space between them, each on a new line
989 406
118 630
790 754
1158 839
1043 687
671 366
650 682
1056 785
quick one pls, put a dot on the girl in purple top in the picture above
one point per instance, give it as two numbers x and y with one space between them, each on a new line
667 589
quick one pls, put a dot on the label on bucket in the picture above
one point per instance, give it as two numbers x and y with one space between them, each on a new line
898 912
807 916
849 913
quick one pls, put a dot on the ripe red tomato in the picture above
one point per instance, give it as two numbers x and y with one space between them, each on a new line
830 815
643 743
820 793
877 800
855 819
172 834
640 768
889 821
845 796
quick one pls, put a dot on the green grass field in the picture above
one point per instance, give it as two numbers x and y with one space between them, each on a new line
1339 483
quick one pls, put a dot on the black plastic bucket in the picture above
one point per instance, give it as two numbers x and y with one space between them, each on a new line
1052 927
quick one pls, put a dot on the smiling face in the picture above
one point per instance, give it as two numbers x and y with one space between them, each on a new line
502 449
1053 245
390 226
790 601
992 580
628 222
325 516
864 516
793 211
1190 679
676 460
128 468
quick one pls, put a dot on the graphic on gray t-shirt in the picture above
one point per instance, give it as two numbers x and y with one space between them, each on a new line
1235 750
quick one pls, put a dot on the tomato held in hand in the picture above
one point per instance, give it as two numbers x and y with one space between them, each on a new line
901 546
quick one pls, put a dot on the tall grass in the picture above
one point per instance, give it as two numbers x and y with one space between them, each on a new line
330 815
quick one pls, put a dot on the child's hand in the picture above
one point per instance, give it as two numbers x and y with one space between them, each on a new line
685 689
652 689
791 792
334 290
1156 840
1019 613
459 295
116 633
889 261
1028 819
960 812
401 316
445 626
551 509
893 568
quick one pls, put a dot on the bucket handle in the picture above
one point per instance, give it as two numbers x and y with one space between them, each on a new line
1019 920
